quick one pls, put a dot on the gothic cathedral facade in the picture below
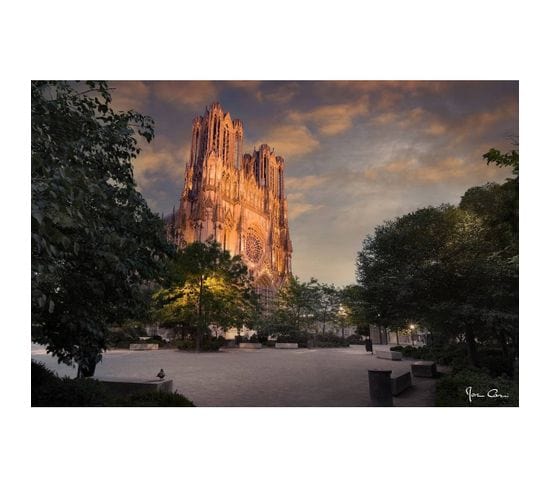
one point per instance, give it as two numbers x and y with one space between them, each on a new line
236 199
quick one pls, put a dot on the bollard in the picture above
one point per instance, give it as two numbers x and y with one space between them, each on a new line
380 388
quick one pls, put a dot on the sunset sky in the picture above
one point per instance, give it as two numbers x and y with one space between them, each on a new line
357 153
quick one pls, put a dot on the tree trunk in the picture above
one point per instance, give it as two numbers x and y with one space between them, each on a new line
471 345
198 335
86 368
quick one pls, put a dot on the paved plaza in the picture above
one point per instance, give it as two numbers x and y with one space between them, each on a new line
266 377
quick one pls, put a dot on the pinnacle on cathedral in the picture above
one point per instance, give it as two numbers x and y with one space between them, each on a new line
234 198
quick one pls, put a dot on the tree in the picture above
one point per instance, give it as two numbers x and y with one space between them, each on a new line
328 299
296 306
353 300
96 245
452 269
206 286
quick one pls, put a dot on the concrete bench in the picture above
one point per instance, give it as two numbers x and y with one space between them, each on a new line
424 369
286 345
392 355
250 345
400 382
126 386
144 347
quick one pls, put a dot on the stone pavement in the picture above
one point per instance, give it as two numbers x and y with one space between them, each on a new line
266 377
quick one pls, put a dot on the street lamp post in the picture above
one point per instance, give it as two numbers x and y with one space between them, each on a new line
412 333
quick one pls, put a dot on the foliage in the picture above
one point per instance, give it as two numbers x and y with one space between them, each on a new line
452 269
355 339
207 343
439 267
96 245
121 336
206 286
328 300
451 389
508 159
491 360
330 340
353 301
299 337
48 390
153 399
295 308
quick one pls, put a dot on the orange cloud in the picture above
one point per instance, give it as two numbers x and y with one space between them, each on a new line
128 95
449 169
192 94
298 206
160 160
305 182
251 86
332 119
290 140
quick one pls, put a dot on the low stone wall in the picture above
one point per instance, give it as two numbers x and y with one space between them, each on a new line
144 347
250 345
128 386
392 355
286 345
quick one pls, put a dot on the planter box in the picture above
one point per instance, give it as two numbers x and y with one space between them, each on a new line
144 347
128 386
286 345
400 382
392 355
250 345
424 369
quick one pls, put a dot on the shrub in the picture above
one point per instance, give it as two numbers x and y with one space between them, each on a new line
263 338
451 389
299 338
208 344
396 348
48 390
408 351
153 399
123 335
330 340
494 361
356 339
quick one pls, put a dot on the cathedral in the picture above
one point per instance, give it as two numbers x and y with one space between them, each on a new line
236 199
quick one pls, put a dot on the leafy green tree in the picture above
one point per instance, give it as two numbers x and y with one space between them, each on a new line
353 301
96 245
206 286
296 306
452 269
328 304
439 267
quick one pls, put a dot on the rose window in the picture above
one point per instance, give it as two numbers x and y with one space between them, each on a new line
254 247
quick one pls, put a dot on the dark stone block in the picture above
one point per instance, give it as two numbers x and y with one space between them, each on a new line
400 382
129 386
424 369
380 390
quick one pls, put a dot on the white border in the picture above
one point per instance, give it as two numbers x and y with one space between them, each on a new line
283 40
